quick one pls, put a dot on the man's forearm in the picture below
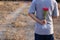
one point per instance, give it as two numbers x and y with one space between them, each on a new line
34 18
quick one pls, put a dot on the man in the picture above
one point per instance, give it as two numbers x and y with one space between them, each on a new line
44 28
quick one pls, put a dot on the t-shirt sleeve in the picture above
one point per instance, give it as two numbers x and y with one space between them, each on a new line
55 11
32 8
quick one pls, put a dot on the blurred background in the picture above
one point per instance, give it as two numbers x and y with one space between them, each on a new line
15 24
23 0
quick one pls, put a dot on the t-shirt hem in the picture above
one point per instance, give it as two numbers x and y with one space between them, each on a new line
44 34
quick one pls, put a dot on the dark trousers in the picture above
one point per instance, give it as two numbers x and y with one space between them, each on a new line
44 37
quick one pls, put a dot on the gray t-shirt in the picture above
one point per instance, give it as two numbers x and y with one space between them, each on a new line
37 6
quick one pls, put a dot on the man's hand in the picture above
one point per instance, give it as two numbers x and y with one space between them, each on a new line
43 22
37 20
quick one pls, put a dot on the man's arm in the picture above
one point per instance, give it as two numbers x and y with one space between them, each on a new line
55 13
36 19
31 12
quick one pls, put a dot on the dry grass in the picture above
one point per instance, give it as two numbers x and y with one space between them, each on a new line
22 28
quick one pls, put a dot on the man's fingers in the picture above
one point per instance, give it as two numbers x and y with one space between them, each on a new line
43 22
